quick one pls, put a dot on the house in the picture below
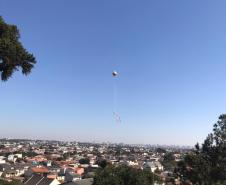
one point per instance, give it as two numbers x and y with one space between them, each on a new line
61 177
40 180
153 165
79 171
88 181
12 158
132 163
19 156
11 171
4 167
2 160
71 176
39 170
37 159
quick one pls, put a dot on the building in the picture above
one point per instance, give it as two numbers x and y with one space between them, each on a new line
42 171
153 165
88 181
40 180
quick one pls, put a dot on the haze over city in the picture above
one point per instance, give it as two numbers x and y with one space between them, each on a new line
170 58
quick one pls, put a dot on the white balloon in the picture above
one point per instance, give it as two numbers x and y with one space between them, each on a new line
114 73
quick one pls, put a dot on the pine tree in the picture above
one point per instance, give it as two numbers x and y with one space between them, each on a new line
13 56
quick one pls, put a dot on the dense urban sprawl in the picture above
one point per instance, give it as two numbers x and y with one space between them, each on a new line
56 162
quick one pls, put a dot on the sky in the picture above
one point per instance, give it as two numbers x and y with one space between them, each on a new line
170 56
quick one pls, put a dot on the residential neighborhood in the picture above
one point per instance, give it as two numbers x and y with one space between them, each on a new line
56 162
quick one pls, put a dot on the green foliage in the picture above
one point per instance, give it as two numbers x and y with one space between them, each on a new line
207 164
84 161
102 163
160 150
2 182
13 56
29 154
124 175
66 156
169 162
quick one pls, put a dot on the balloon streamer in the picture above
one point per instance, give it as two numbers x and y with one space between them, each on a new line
115 98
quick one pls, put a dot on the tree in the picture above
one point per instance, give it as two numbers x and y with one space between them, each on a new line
124 175
169 162
2 182
29 154
160 150
102 163
84 161
13 56
206 165
66 156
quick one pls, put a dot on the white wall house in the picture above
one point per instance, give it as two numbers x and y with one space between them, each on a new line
153 165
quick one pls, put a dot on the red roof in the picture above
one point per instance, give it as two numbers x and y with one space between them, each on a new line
40 170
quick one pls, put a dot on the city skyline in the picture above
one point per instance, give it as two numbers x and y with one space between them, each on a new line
170 57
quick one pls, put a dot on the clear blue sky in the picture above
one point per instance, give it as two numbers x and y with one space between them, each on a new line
171 56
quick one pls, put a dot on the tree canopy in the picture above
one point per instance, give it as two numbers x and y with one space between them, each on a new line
84 161
169 162
13 56
124 175
206 165
2 182
102 163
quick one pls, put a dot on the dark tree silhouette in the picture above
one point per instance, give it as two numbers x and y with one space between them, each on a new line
102 163
169 162
13 56
206 165
84 161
